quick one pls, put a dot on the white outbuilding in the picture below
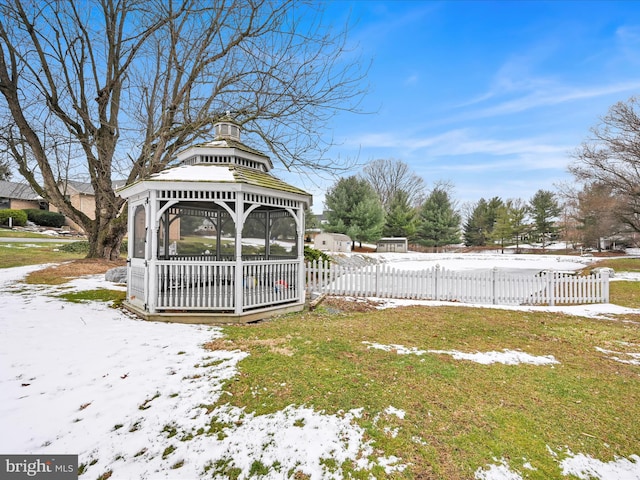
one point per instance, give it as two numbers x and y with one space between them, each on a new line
392 244
217 238
333 242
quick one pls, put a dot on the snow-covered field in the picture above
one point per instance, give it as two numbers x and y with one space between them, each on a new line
131 396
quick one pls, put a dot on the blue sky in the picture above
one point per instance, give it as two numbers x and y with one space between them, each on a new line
489 96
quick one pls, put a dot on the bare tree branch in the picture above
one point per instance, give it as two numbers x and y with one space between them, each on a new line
125 84
610 158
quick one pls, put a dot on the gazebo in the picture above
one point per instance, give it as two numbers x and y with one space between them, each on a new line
217 238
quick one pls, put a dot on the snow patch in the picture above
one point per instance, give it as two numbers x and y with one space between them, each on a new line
507 357
499 471
395 411
617 356
586 467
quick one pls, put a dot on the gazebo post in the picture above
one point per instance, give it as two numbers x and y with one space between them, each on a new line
300 248
152 251
239 221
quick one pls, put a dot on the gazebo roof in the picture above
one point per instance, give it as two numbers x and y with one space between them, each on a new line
225 160
216 173
224 174
228 143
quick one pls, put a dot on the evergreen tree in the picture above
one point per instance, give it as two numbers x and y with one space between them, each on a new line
478 228
503 228
544 209
475 234
310 219
518 214
439 223
401 217
354 209
494 206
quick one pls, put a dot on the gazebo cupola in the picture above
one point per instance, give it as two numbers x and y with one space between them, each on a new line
216 238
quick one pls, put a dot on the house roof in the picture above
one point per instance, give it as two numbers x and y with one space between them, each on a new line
17 191
86 188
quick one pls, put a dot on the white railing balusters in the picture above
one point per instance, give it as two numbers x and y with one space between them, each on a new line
438 283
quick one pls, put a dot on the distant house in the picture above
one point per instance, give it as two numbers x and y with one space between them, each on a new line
82 196
392 244
333 242
20 196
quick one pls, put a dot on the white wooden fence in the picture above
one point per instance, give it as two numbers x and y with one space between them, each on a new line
486 287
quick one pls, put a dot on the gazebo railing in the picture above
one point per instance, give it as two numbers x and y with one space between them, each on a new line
211 286
195 285
271 282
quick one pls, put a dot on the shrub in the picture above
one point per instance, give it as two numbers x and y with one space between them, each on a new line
18 216
76 247
45 218
83 247
311 254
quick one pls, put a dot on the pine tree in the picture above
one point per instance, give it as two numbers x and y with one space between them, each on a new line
354 209
439 223
544 211
401 217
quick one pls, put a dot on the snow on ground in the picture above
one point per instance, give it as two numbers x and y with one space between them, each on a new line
581 466
506 357
133 396
483 261
497 471
633 358
586 467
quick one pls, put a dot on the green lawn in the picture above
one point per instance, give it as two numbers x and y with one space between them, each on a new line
460 415
20 254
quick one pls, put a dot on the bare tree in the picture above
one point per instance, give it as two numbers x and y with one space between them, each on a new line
105 88
389 176
610 158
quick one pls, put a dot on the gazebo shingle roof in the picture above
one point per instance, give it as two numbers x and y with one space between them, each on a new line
225 174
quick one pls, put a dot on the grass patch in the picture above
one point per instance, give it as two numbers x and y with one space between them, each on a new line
19 255
168 451
59 274
625 294
97 295
619 264
20 234
459 414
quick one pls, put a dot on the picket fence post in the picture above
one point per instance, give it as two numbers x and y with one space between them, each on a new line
494 273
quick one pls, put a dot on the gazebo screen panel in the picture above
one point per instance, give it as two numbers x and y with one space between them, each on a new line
139 232
189 232
283 235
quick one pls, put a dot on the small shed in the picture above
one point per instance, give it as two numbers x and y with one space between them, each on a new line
392 244
217 238
333 242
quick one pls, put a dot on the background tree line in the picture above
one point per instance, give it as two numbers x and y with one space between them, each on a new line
388 200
